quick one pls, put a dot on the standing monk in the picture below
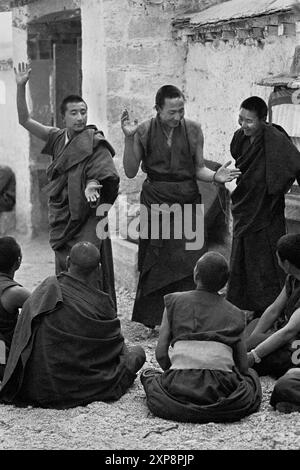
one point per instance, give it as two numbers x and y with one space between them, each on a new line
170 149
269 164
82 164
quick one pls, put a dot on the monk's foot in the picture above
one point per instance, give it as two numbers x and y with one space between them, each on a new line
287 407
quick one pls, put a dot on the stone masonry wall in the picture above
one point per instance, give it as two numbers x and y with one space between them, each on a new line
16 142
128 53
220 75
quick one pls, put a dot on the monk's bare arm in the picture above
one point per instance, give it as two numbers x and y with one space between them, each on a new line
14 298
133 153
163 343
202 172
266 322
34 127
240 355
222 175
133 150
272 313
281 337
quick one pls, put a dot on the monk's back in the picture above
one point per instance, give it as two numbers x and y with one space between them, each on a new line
203 316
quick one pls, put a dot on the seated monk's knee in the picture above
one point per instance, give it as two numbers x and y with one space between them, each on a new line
285 386
135 359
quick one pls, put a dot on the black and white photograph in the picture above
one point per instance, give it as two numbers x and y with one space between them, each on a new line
150 228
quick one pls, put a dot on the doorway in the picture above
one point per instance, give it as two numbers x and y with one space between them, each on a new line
54 50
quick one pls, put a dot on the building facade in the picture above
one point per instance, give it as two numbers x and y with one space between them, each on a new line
117 53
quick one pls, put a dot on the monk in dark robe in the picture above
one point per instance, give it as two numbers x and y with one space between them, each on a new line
273 338
7 189
12 295
170 151
68 349
202 352
269 163
286 393
82 175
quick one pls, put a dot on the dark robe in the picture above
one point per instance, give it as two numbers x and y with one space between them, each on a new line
7 188
86 157
67 349
166 265
269 166
287 388
203 395
8 320
280 361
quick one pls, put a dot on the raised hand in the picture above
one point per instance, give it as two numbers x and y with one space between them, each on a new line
225 174
22 73
128 127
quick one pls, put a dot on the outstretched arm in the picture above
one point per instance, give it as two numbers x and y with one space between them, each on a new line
267 320
278 339
133 150
39 130
222 175
163 343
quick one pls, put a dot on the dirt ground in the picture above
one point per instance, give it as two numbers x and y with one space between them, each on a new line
127 424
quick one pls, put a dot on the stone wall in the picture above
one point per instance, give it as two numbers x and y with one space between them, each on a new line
128 53
220 75
5 5
16 144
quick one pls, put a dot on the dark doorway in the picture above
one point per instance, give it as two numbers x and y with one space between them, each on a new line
54 49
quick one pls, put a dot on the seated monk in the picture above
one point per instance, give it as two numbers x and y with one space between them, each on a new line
7 189
202 351
272 339
286 394
12 294
68 349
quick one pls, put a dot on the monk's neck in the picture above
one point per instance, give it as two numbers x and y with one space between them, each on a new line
256 135
90 281
71 134
200 287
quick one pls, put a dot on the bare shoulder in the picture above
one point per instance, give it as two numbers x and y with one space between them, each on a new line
14 297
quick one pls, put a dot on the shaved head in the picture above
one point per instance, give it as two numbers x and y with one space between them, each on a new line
212 271
84 256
